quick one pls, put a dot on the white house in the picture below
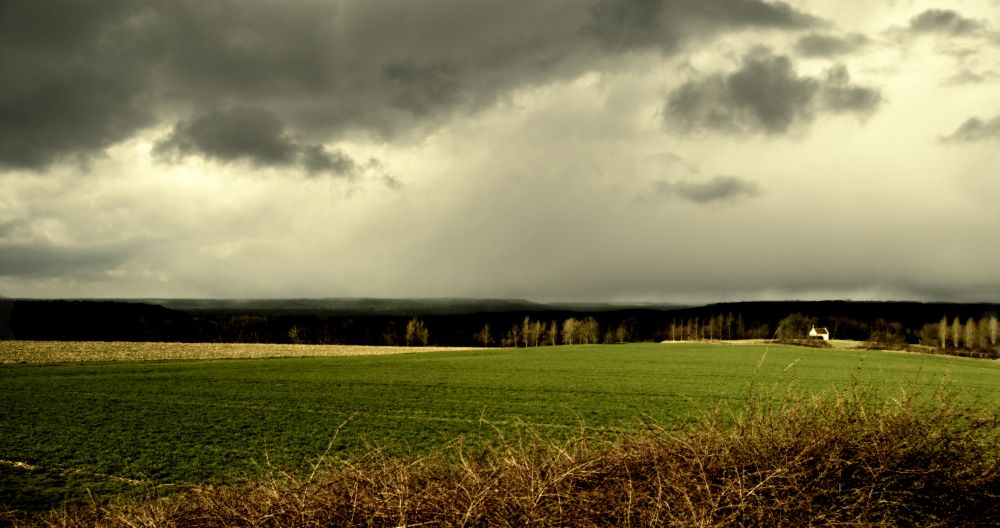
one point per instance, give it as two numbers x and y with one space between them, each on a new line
821 333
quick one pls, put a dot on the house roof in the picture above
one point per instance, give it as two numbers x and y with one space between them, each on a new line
821 330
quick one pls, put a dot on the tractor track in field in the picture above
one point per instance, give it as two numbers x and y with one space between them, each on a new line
80 471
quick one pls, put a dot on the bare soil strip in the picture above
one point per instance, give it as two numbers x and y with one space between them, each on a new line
83 351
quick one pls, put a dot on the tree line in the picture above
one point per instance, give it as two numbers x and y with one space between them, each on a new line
963 331
571 331
716 328
973 335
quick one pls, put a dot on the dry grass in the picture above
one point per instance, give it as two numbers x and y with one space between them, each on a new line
81 351
854 459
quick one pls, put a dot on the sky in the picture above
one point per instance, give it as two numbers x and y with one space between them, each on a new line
568 150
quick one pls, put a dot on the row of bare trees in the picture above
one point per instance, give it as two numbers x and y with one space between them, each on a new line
571 331
983 334
717 327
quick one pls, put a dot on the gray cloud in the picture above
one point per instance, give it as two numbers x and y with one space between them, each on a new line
717 189
667 24
975 129
249 134
319 159
75 79
43 259
839 95
966 76
80 77
944 22
232 134
764 95
825 45
665 159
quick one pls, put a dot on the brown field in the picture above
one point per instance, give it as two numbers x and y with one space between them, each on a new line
81 351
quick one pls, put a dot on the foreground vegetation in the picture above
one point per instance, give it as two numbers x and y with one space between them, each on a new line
853 458
79 433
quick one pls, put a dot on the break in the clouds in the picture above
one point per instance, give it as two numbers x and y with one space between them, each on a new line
765 95
715 190
497 148
975 129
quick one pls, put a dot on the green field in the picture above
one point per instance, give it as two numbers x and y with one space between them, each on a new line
115 426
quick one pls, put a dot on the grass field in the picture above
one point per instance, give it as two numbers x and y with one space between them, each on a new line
109 427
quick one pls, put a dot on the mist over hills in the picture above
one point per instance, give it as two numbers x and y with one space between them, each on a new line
384 306
392 306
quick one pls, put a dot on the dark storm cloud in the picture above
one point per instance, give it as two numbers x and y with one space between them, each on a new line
318 159
975 129
824 45
717 189
764 95
248 134
667 24
75 78
232 134
81 76
944 22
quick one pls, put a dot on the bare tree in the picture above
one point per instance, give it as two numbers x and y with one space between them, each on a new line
569 330
531 332
590 331
416 333
295 334
994 330
553 334
483 336
970 334
622 333
983 334
943 331
956 332
513 336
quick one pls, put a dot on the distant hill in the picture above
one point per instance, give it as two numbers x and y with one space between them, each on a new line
450 321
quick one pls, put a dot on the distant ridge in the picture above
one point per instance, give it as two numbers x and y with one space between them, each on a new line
452 321
392 306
